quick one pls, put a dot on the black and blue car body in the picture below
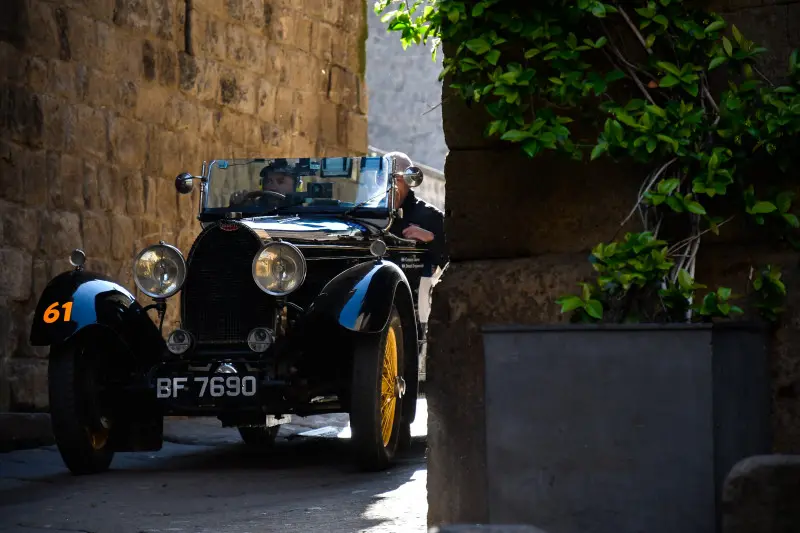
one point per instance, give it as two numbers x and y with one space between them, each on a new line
302 307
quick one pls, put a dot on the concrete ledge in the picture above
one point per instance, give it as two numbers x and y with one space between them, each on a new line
20 431
485 528
761 495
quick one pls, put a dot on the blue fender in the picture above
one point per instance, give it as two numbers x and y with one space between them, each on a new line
76 300
360 298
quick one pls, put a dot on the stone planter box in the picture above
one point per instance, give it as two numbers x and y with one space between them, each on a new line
621 428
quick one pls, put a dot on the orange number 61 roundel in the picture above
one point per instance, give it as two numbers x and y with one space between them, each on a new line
52 314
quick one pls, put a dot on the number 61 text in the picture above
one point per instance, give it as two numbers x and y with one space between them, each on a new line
52 314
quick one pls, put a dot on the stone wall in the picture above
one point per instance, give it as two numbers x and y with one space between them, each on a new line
404 96
760 495
104 102
545 215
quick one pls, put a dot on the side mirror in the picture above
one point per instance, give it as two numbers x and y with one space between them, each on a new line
184 183
413 176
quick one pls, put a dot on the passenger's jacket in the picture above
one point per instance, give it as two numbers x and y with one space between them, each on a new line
426 216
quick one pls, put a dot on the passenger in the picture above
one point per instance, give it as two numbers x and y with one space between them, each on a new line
421 222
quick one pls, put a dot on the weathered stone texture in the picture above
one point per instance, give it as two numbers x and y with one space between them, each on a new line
525 215
102 104
471 294
761 495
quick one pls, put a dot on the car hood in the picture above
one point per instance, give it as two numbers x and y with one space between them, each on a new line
307 229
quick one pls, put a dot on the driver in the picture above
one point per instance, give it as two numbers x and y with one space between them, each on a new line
278 177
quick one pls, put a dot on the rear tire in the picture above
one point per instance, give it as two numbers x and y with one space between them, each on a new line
377 363
259 437
83 445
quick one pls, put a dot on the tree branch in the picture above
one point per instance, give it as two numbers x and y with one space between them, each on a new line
649 183
635 29
631 73
686 241
766 79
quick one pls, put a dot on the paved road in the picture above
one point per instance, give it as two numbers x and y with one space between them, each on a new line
204 480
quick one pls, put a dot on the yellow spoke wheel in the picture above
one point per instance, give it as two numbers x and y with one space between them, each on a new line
389 386
377 395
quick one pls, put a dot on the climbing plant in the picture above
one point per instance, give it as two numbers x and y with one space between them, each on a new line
670 87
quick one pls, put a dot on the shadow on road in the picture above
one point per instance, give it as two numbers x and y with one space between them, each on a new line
300 485
285 455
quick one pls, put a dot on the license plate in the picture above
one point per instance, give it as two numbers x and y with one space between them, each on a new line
206 386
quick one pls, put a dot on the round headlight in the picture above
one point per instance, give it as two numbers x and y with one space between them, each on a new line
279 268
159 270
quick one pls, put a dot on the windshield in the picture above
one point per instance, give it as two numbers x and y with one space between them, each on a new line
273 186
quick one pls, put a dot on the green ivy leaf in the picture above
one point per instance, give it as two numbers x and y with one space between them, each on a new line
493 56
595 309
737 34
726 43
586 291
783 201
662 20
532 147
685 279
569 303
599 10
669 81
675 204
515 135
669 67
791 220
715 26
717 61
696 208
599 150
479 46
762 207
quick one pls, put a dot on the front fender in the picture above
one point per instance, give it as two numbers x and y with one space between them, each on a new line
360 298
76 300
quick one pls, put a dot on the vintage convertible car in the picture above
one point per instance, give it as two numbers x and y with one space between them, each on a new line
294 300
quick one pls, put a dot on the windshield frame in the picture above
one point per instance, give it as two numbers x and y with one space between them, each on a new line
385 212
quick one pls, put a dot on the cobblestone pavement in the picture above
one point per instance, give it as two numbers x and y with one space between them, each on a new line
204 480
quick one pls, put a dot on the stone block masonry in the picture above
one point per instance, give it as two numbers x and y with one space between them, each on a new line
104 102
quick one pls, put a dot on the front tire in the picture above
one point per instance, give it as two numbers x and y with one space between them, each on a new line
81 434
377 396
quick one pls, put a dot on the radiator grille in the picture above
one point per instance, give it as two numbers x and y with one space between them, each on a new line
220 301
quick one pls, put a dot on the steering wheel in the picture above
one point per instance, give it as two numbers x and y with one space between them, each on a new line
258 194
